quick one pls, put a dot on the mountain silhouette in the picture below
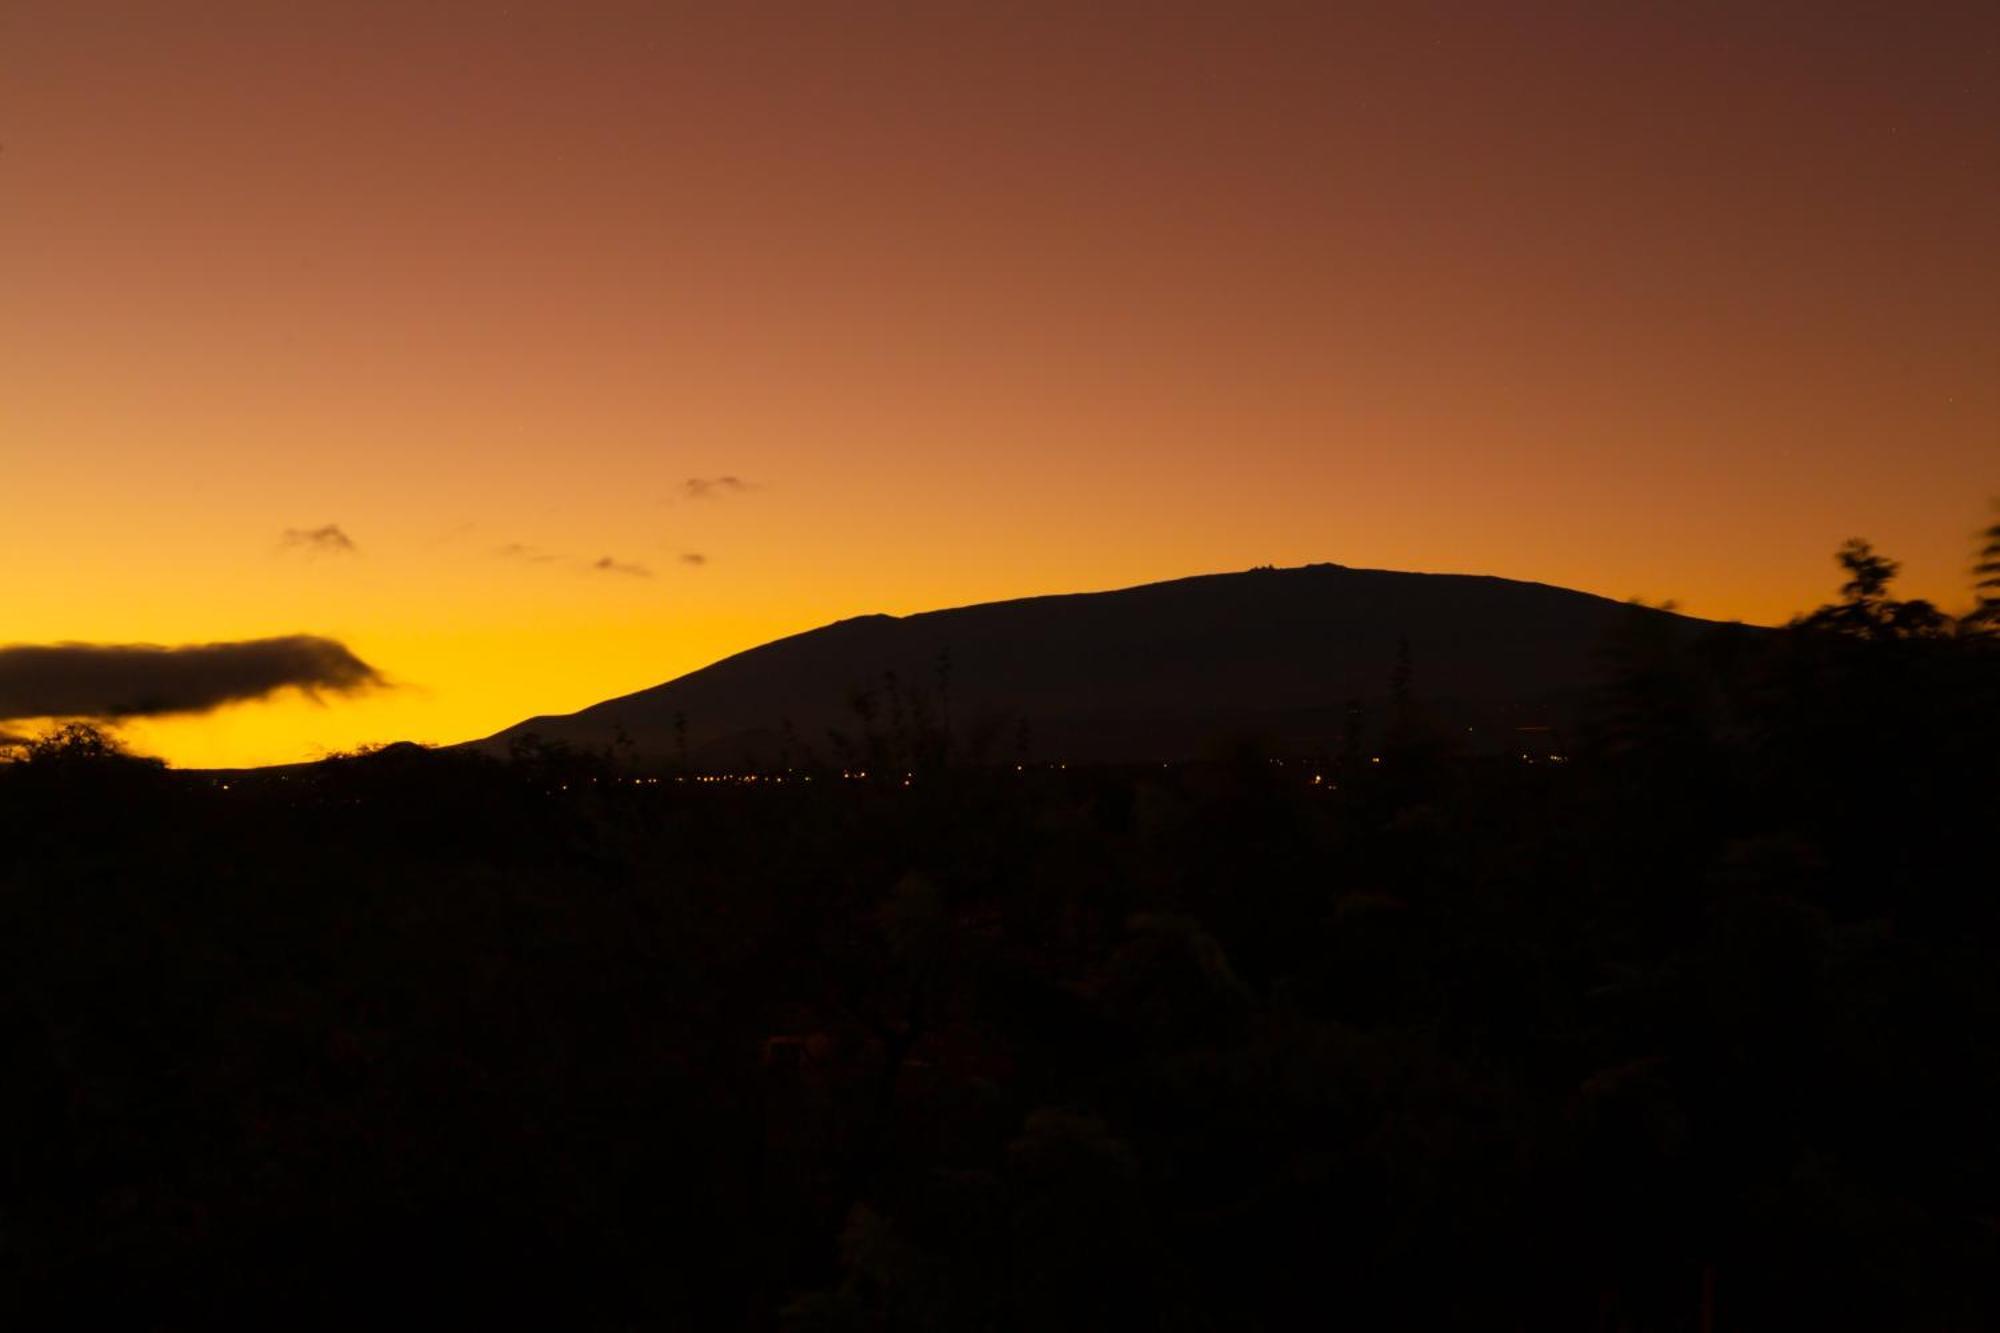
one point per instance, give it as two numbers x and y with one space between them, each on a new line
1298 659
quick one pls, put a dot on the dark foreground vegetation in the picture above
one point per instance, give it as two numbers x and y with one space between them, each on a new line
1694 1029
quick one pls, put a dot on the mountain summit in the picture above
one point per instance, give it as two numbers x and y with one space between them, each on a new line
1298 658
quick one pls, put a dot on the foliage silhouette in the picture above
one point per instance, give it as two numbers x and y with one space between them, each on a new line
1697 1024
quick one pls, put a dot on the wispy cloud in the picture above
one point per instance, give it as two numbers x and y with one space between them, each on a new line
324 540
452 534
111 681
711 488
694 558
523 553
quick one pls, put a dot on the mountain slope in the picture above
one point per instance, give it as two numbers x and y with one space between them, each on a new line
1152 672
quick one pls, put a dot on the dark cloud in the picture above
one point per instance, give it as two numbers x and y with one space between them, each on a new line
695 558
709 488
328 540
533 555
606 565
109 681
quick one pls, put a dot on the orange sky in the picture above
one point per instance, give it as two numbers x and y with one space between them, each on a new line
985 300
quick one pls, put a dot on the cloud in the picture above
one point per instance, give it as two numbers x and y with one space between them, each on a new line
695 558
604 564
110 681
328 540
710 488
451 535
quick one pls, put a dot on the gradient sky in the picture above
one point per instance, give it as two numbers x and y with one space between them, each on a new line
980 300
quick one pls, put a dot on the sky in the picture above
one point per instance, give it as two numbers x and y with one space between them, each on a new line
536 353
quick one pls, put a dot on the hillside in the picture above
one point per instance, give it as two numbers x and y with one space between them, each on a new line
1299 658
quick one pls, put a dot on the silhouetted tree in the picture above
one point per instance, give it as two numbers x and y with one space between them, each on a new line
80 743
1866 610
1402 680
1986 581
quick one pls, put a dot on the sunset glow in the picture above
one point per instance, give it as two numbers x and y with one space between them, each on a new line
542 353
